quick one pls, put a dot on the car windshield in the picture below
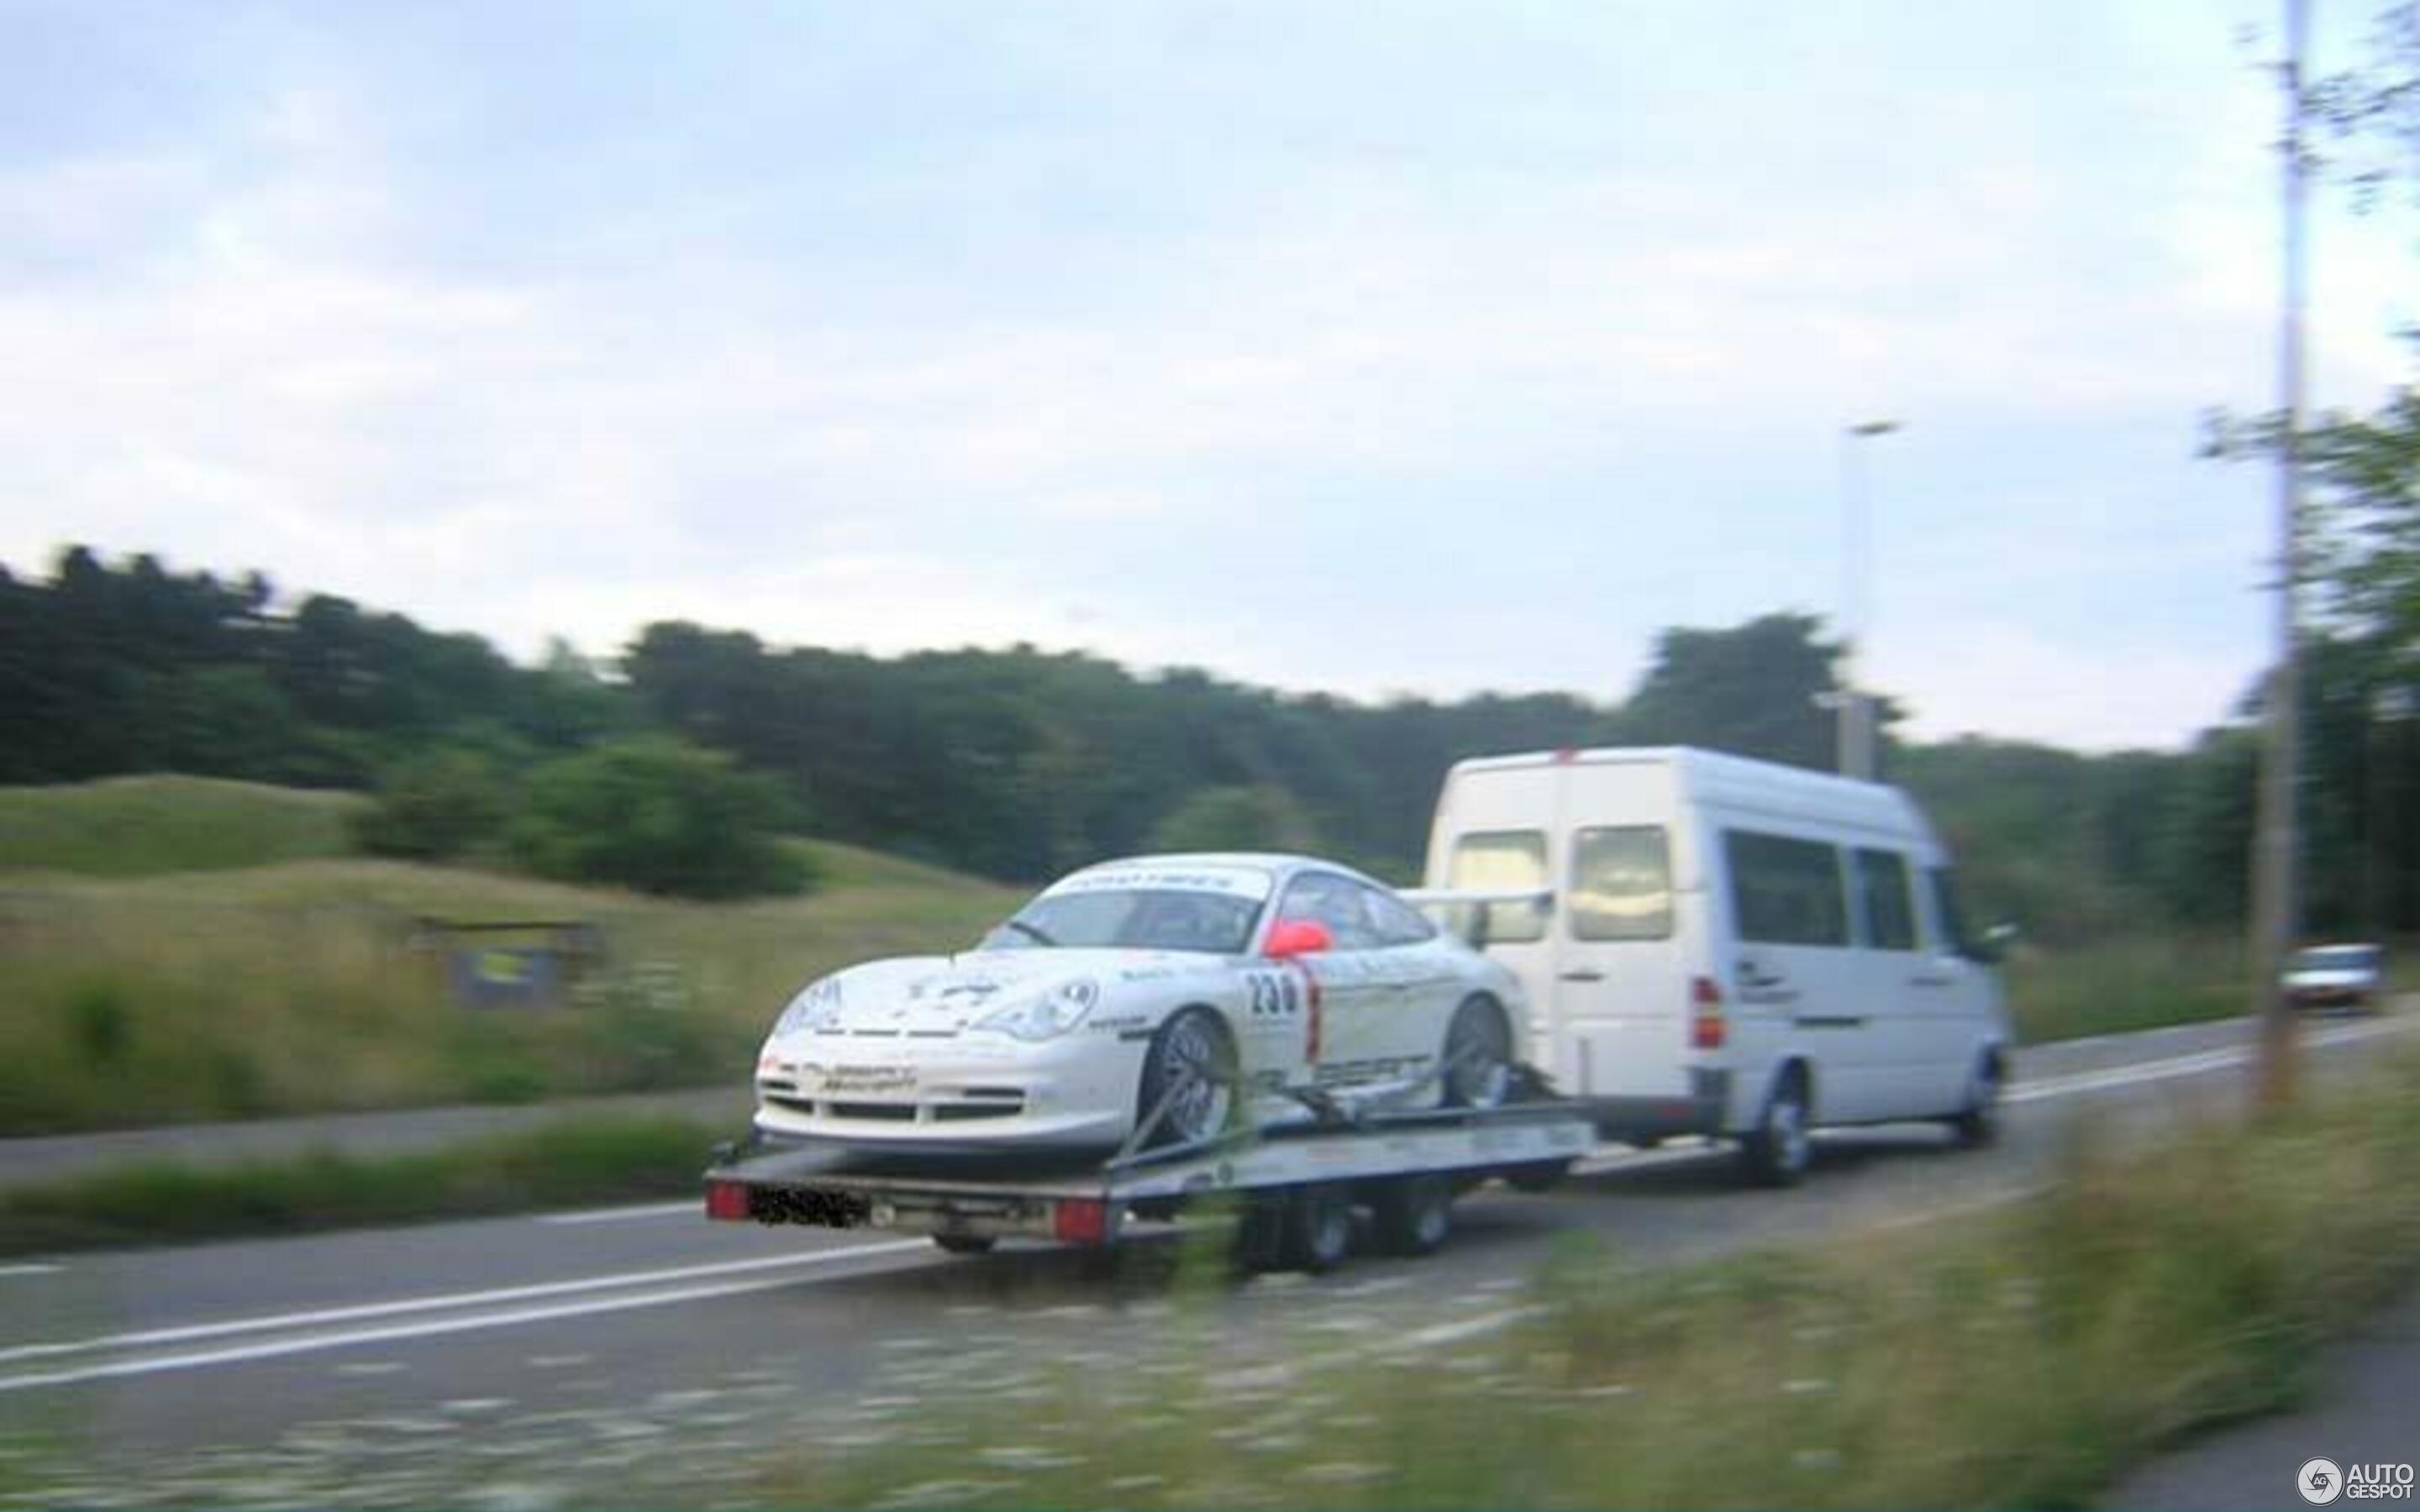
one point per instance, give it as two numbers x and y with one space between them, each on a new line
2337 958
1130 918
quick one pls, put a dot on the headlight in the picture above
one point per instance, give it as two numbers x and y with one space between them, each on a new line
1047 1017
815 1008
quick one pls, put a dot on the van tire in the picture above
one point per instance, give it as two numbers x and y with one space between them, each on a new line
1977 1126
1776 1152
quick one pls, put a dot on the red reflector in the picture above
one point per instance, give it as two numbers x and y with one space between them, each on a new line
726 1201
1080 1221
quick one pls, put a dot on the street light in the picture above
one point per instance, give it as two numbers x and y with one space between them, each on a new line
1856 708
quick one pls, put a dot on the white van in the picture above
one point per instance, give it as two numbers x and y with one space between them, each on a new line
1720 946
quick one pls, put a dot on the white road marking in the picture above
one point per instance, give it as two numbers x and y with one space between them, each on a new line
271 1321
30 1269
2193 1065
692 1208
1466 1329
154 1365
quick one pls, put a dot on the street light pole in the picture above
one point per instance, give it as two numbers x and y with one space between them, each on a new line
1854 709
2275 902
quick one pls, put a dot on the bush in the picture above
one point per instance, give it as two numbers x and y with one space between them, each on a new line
658 815
434 806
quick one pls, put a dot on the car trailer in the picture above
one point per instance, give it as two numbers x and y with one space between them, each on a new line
1293 1191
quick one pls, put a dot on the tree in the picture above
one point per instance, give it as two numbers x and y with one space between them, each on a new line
1750 690
435 805
1259 818
658 815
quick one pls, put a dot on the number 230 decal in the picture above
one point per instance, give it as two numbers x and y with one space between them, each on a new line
1274 994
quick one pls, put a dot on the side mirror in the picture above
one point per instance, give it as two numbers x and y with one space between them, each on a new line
1291 937
1993 946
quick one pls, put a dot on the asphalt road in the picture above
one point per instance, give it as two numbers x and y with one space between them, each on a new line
602 1355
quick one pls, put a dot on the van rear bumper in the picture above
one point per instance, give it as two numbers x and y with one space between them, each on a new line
1702 1110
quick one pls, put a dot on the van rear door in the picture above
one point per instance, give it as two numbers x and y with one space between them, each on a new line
1620 980
1492 835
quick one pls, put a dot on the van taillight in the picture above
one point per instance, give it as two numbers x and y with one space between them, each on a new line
1707 1031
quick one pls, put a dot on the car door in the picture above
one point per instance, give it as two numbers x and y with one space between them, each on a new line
1354 991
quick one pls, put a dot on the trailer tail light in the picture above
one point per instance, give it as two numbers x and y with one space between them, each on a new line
726 1201
1707 1031
1080 1221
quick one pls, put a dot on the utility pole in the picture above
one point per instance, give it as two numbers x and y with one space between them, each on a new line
1857 738
2275 896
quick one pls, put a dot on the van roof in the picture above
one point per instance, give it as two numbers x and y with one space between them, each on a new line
1740 779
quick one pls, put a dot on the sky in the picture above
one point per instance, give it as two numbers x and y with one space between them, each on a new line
1379 348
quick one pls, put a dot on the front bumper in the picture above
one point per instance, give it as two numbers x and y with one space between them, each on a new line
959 1092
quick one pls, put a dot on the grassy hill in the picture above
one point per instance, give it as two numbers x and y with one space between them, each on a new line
136 825
174 949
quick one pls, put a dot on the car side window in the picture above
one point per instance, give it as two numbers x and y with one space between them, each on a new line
1391 920
1327 899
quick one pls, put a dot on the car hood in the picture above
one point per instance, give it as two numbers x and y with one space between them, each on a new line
953 993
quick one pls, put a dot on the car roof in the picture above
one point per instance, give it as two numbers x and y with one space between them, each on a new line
1281 863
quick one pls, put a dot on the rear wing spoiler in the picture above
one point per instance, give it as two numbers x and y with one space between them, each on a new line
1467 911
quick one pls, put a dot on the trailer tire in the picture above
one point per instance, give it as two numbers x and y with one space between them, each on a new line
1318 1228
1414 1214
966 1243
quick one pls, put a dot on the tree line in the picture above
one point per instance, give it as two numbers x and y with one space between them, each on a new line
1017 763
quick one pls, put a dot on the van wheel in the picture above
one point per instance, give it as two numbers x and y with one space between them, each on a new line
1978 1124
1414 1214
1478 1057
1778 1151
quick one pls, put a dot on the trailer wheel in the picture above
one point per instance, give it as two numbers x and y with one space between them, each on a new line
1318 1228
1539 1175
1414 1214
966 1243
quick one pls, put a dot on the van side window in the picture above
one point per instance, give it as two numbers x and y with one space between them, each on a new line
1882 890
1508 861
1786 892
1622 884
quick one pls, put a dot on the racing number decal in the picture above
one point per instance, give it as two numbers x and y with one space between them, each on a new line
1275 994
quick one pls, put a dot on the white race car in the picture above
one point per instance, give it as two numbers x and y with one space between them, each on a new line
1161 1000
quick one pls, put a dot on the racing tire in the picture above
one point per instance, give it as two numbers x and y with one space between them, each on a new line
1976 1125
966 1243
1478 1071
1414 1214
1193 1046
1778 1152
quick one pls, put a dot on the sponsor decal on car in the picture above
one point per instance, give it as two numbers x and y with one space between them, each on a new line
859 1079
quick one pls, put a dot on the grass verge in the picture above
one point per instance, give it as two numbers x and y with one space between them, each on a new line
2024 1357
2120 985
569 1163
137 826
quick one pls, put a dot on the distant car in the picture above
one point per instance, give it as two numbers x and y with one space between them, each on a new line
2337 976
1160 1000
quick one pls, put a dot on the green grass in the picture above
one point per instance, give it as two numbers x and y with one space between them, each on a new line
137 826
569 1162
2120 985
298 987
2022 1357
